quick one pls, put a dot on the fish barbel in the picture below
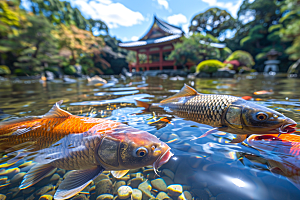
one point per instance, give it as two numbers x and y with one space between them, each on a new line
89 146
282 154
224 112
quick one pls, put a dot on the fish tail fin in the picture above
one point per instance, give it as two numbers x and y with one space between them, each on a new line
35 174
143 104
77 181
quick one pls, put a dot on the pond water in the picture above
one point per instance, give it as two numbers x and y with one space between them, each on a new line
208 168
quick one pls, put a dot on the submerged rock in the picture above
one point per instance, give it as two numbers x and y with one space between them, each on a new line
174 190
136 194
117 185
2 197
46 197
186 195
135 182
168 173
124 192
105 197
10 172
18 177
163 195
104 187
145 187
3 179
159 184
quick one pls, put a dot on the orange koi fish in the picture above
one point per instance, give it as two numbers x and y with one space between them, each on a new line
285 156
89 146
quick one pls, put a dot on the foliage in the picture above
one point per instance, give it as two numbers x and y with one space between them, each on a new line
195 48
69 70
244 58
4 70
131 57
209 66
214 21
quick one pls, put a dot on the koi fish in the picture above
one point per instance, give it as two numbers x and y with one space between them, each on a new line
285 156
263 92
225 113
89 146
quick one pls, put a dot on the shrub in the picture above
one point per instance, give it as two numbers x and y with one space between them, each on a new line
20 72
4 70
69 70
243 57
209 66
193 69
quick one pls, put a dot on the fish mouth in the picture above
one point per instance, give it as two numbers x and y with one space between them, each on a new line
162 160
287 128
266 138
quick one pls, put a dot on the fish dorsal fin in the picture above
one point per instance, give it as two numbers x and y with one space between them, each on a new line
119 174
57 112
184 92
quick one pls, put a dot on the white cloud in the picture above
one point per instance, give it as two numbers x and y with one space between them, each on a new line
177 19
163 3
113 14
231 7
134 38
185 28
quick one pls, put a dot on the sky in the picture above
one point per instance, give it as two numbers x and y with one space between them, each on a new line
130 20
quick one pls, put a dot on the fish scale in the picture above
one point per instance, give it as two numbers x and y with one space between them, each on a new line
206 109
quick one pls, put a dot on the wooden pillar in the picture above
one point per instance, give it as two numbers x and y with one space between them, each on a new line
137 66
147 64
175 67
130 67
160 58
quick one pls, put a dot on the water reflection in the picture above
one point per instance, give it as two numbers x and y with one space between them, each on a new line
209 167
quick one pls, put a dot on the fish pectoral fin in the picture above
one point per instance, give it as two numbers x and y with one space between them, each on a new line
239 138
277 170
142 104
77 181
214 130
35 174
119 174
57 112
184 92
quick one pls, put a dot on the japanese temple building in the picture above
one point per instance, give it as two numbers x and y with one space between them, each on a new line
157 44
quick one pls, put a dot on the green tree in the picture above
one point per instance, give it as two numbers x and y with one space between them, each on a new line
196 48
214 21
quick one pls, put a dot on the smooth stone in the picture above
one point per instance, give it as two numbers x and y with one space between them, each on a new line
172 164
124 192
80 197
15 191
135 182
51 192
136 194
145 187
174 190
66 174
61 172
54 178
186 187
28 190
117 185
46 197
186 195
159 184
167 180
136 175
31 197
58 182
10 172
104 187
101 177
201 194
3 179
134 170
163 195
44 190
105 197
18 177
2 197
183 173
173 136
195 161
124 178
168 173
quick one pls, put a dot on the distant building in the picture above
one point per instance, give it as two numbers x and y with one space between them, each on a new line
157 44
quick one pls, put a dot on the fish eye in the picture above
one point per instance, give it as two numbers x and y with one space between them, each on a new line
275 116
261 116
141 152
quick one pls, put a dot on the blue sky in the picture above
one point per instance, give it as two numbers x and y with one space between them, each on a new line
129 20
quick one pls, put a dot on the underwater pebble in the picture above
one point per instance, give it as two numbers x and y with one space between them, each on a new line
172 164
10 172
66 174
105 197
61 172
136 194
104 187
167 180
51 192
43 190
145 187
163 195
168 173
15 191
182 178
124 192
80 197
124 178
134 171
3 179
58 182
159 184
195 161
46 197
174 190
135 182
54 178
186 195
117 185
31 197
2 197
18 177
173 136
101 177
136 175
201 194
28 190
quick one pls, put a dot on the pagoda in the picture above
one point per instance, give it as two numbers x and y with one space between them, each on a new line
156 44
